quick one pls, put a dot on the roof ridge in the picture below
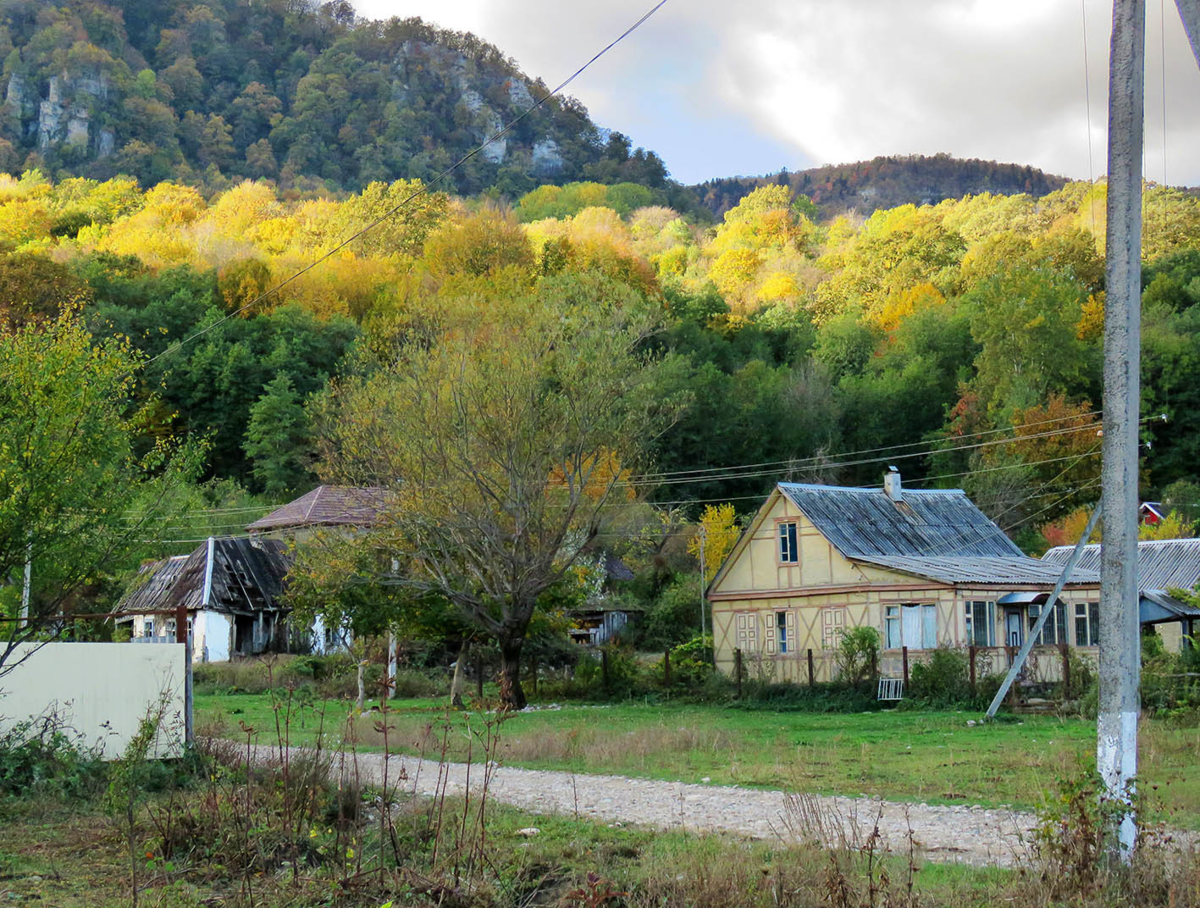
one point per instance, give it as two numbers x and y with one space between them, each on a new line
316 495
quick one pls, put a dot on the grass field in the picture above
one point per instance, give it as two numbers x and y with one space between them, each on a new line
933 757
71 855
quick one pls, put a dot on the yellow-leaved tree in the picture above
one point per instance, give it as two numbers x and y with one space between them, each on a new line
719 529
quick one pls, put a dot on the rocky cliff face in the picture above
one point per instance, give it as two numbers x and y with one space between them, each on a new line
64 117
421 66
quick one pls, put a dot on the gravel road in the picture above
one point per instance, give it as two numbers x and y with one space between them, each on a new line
964 834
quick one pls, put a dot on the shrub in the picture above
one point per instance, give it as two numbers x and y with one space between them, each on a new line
692 662
41 755
942 681
858 654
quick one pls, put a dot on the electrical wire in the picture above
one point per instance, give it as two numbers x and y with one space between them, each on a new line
424 190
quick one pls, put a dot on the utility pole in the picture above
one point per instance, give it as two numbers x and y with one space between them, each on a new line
703 586
1120 629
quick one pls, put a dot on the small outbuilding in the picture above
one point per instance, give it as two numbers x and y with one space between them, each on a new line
231 588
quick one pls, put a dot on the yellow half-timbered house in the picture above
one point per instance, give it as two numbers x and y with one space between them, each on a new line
924 567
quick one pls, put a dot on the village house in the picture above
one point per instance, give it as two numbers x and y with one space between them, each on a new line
231 588
341 509
924 567
325 507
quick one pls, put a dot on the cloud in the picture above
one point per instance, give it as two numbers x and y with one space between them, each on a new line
718 88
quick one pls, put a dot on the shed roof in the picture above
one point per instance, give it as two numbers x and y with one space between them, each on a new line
1163 564
934 533
246 576
326 506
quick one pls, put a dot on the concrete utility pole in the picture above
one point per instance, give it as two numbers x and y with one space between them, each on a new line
1120 629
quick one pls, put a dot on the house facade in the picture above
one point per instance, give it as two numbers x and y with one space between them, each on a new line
925 568
231 588
327 508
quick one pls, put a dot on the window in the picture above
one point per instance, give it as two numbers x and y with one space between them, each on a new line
788 551
981 623
1055 631
170 631
780 633
914 626
1087 623
148 627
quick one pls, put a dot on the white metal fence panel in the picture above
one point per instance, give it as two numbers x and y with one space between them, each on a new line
100 691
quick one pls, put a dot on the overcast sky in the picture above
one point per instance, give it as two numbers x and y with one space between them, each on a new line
720 88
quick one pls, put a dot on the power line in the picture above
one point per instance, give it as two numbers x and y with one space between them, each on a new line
822 459
424 190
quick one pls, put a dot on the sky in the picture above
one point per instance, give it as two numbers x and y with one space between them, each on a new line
722 89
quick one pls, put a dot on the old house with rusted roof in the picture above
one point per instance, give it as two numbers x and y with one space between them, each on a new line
924 567
231 588
336 507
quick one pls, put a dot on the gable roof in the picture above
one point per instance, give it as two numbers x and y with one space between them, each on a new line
326 506
933 533
242 576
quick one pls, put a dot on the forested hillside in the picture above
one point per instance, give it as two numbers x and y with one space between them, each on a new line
301 93
885 182
796 343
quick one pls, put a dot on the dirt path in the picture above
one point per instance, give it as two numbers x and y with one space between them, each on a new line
972 835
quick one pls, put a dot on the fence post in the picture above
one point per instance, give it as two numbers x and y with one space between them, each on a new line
812 675
182 636
478 675
1066 670
737 671
904 660
971 657
604 667
667 669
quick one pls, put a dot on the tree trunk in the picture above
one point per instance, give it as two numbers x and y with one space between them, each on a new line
456 685
512 695
362 687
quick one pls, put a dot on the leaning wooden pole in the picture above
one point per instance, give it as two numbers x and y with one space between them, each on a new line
1120 630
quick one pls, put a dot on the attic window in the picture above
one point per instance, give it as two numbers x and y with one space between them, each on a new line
789 552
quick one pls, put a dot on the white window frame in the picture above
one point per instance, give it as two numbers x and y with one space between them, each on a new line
1055 630
926 619
976 609
788 537
1087 617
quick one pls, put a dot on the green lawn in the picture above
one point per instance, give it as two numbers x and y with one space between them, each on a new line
916 756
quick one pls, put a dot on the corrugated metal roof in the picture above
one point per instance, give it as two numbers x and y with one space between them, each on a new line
864 523
1171 608
934 533
326 506
1163 564
971 569
247 576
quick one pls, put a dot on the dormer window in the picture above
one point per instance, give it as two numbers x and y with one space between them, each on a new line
789 552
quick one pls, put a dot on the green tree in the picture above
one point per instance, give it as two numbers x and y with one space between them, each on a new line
278 439
70 466
497 441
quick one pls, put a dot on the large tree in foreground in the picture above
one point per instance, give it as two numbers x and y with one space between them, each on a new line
75 456
504 434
